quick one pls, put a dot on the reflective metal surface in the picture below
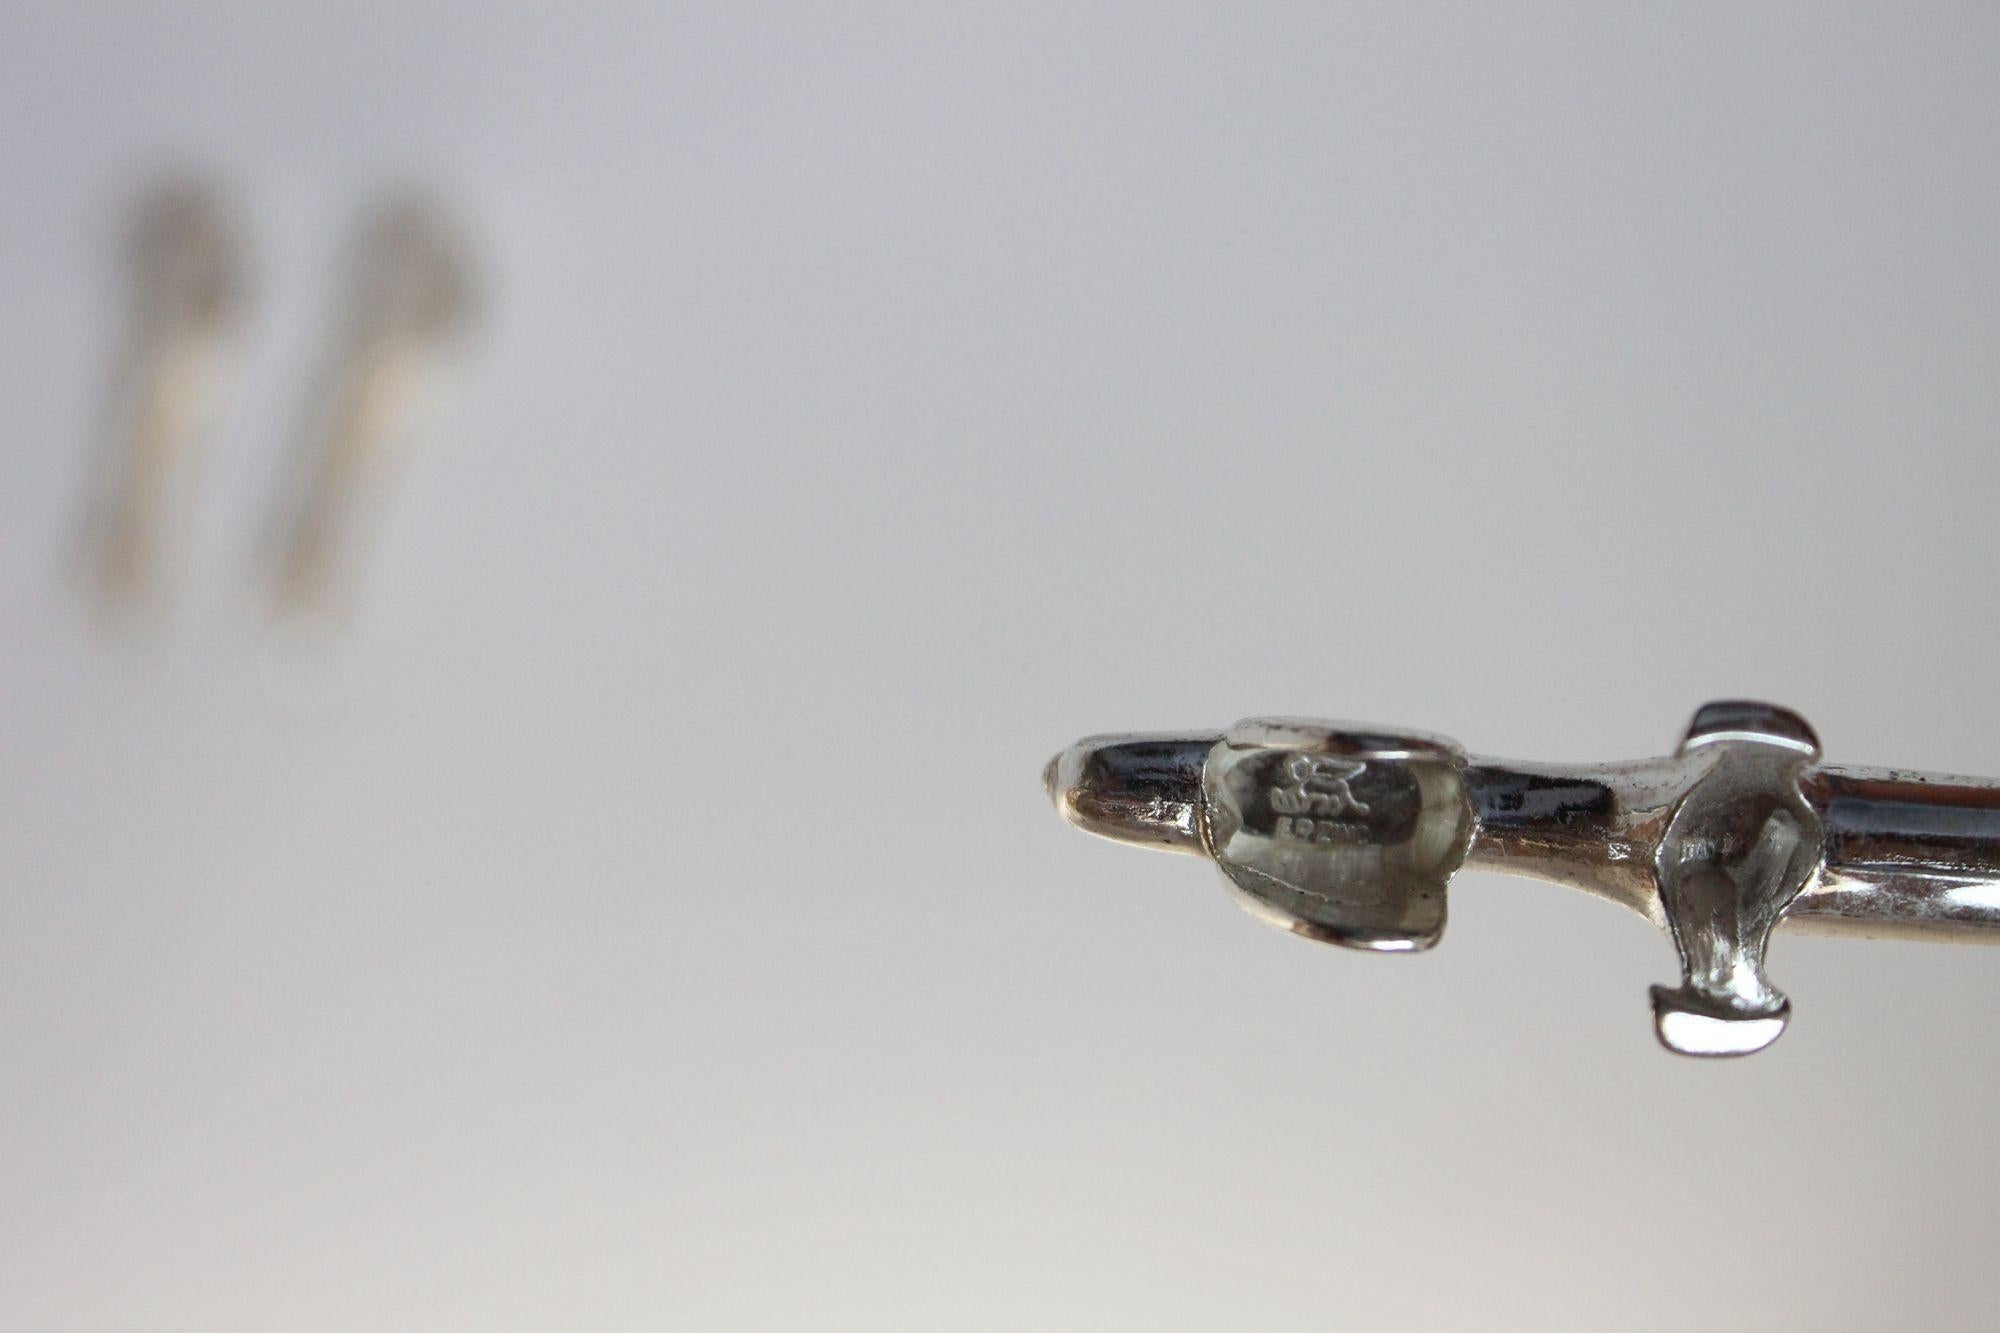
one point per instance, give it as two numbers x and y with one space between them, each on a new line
1348 834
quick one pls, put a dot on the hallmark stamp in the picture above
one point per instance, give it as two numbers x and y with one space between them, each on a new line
1314 803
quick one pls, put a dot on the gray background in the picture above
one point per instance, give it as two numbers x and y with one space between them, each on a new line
656 921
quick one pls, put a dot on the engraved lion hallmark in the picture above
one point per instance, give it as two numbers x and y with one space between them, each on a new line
1315 796
1349 834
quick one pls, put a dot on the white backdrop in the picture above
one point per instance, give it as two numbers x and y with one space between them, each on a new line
660 923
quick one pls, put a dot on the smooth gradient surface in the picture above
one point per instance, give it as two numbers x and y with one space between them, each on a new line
654 918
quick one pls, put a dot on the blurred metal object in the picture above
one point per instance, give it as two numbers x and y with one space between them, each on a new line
412 300
1348 834
181 358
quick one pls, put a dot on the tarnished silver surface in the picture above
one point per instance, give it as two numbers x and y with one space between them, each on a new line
1348 834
